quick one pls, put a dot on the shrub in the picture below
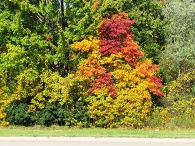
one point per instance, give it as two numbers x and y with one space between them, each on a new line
181 114
158 118
17 113
52 114
46 116
56 114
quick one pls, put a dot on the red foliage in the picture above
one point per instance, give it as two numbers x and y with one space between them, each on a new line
113 32
116 37
118 25
104 79
110 46
155 85
48 38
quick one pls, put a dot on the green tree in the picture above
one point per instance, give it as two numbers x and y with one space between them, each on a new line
178 58
148 29
33 55
178 62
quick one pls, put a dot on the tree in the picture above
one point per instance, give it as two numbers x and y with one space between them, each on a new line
178 61
148 28
178 57
116 80
84 18
33 54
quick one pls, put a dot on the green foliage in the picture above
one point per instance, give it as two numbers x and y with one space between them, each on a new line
180 89
31 69
148 29
158 118
177 63
181 114
178 115
17 114
178 102
51 114
178 57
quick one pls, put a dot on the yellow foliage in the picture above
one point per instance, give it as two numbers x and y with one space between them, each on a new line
181 88
4 123
86 45
4 100
112 60
2 113
56 88
102 108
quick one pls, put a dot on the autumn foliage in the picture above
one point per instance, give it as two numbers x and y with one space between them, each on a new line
87 64
118 80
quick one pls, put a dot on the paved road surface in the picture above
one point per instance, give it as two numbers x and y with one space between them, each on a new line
65 141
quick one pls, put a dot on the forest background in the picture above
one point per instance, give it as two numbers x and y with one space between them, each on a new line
97 63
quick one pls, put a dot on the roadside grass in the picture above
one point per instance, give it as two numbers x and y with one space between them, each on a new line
56 131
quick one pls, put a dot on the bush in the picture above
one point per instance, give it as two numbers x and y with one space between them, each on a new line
181 114
158 118
46 116
51 114
17 113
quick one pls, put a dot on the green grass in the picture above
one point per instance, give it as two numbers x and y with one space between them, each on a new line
93 132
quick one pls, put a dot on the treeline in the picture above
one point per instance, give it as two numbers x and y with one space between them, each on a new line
99 63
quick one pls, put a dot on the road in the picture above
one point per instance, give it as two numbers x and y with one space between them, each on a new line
80 141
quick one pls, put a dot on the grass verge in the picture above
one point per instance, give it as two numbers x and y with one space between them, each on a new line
56 131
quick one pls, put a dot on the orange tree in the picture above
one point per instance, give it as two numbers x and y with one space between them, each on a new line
117 80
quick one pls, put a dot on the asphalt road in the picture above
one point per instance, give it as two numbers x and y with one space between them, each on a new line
80 141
